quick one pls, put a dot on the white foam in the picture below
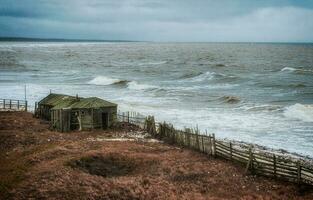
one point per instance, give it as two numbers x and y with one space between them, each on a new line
133 85
288 69
202 77
153 63
102 80
300 112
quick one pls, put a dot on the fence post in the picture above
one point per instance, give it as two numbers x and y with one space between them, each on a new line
214 145
128 116
274 163
203 150
250 162
35 111
299 172
3 103
18 104
231 150
10 103
26 106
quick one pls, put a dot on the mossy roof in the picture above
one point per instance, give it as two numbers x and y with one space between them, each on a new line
61 101
92 102
56 99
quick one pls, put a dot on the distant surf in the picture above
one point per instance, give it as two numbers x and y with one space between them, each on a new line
297 70
300 112
102 80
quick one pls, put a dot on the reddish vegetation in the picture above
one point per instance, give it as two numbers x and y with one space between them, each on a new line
38 163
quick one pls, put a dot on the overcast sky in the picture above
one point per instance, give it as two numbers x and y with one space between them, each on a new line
160 20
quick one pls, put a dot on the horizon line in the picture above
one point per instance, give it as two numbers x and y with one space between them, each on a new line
37 39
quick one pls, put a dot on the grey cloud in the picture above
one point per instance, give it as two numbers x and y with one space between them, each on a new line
159 20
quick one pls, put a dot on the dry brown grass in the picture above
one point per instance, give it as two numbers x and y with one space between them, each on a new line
37 163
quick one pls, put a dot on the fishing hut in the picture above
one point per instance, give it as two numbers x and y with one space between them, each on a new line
76 113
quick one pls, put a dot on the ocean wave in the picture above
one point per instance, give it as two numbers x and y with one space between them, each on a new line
290 69
205 76
134 85
102 80
190 75
300 112
230 99
297 70
265 107
153 63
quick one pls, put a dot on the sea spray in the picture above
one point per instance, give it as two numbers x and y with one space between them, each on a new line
300 112
102 80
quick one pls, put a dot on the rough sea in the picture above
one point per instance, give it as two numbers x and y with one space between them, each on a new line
251 92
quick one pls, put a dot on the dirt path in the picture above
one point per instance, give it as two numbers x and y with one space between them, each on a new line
41 164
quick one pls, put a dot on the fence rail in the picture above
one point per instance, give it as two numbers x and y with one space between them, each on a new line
255 160
13 104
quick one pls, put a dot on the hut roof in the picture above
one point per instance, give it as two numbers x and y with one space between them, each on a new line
92 102
56 99
65 104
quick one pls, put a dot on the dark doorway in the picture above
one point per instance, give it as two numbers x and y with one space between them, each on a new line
105 120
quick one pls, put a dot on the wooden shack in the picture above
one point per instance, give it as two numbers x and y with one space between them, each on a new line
44 106
68 113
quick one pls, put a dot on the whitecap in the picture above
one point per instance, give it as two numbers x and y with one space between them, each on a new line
133 85
102 80
300 112
204 76
288 69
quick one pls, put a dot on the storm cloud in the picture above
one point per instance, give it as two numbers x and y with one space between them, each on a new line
159 20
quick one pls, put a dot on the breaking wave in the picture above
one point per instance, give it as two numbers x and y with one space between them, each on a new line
290 69
230 99
102 80
299 71
300 112
205 76
133 85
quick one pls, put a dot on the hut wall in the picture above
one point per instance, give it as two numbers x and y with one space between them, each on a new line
97 116
44 112
61 120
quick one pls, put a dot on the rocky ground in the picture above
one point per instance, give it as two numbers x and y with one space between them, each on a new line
122 163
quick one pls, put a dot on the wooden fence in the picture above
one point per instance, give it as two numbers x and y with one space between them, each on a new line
132 117
12 104
255 160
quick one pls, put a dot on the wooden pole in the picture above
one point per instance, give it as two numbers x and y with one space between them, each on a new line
202 141
10 104
3 103
26 106
274 164
250 162
214 145
18 104
298 172
231 150
128 116
210 145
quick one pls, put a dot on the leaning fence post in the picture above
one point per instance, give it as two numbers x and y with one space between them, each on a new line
250 162
274 163
298 172
202 144
214 145
231 150
210 145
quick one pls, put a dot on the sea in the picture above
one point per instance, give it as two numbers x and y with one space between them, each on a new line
261 93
